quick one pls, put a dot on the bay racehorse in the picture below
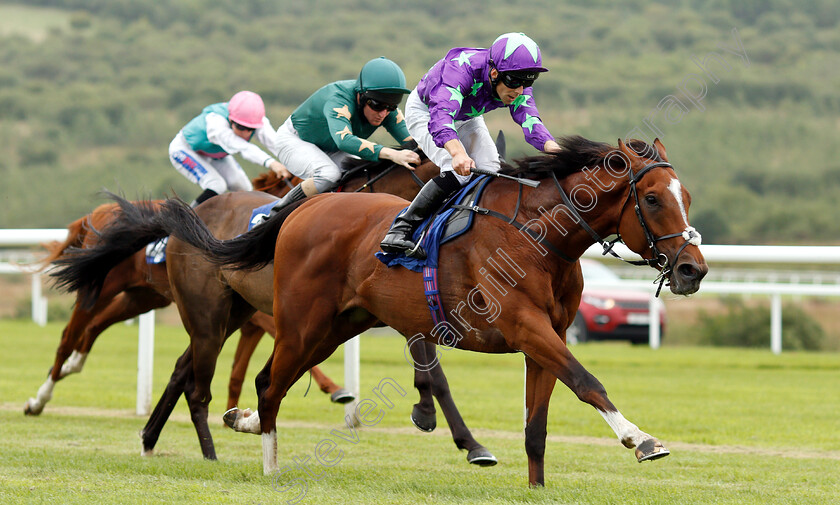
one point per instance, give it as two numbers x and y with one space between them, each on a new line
527 240
135 287
214 302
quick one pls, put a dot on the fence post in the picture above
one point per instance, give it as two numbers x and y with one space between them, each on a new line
351 376
776 323
39 301
145 362
653 324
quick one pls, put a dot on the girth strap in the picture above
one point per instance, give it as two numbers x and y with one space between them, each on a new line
519 226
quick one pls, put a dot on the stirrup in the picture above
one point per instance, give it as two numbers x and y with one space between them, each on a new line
417 252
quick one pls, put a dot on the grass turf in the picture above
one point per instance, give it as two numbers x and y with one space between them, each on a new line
743 427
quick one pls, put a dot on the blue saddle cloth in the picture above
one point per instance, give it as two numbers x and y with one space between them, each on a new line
263 210
434 236
156 252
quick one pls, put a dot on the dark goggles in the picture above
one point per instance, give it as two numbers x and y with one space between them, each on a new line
241 127
380 106
514 80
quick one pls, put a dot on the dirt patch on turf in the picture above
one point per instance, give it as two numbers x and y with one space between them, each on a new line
482 434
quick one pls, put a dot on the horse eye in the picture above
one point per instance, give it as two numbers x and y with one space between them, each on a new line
650 200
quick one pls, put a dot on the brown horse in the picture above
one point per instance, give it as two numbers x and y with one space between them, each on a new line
133 288
213 304
589 190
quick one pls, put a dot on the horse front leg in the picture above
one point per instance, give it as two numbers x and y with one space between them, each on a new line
262 322
542 344
250 335
539 383
281 371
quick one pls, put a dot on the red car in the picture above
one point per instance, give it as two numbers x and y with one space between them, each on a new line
606 314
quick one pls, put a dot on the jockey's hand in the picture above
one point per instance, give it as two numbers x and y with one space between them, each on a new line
281 171
402 157
462 163
551 147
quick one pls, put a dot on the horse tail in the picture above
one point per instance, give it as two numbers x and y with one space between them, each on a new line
250 251
76 233
84 270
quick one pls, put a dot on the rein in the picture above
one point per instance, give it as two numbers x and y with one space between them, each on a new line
369 183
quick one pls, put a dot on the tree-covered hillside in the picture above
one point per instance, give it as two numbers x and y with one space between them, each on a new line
742 92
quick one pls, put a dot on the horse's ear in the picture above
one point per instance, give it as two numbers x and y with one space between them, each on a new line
628 153
660 149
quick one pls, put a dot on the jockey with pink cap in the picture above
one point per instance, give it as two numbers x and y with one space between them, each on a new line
444 115
201 150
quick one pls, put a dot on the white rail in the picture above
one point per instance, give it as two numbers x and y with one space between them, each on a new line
818 255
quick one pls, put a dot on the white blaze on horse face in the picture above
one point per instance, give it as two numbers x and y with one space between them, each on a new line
628 433
676 189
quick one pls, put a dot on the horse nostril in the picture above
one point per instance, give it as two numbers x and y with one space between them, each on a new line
688 271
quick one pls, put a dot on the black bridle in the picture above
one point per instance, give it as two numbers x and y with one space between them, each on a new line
658 260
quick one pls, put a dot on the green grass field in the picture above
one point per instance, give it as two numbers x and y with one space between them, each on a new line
743 426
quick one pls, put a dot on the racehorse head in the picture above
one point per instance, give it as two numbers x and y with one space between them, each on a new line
654 219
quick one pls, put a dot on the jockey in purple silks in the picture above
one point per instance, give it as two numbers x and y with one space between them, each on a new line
443 114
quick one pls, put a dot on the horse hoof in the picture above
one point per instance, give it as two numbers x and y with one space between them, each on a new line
147 453
481 457
29 411
650 450
423 422
230 416
342 396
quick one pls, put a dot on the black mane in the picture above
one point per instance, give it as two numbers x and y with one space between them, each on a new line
578 152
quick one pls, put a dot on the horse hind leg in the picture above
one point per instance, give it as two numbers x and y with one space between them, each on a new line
337 393
424 358
70 337
477 454
171 394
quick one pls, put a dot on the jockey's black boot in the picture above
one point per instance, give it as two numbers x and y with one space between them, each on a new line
294 194
203 197
430 197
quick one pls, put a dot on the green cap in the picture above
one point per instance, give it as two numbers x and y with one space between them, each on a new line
382 75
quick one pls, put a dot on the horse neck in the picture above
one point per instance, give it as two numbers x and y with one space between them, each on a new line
598 203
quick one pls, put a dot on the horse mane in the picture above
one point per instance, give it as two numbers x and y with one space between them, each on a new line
578 152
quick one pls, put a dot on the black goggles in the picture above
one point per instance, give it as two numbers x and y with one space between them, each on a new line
241 127
380 106
513 81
